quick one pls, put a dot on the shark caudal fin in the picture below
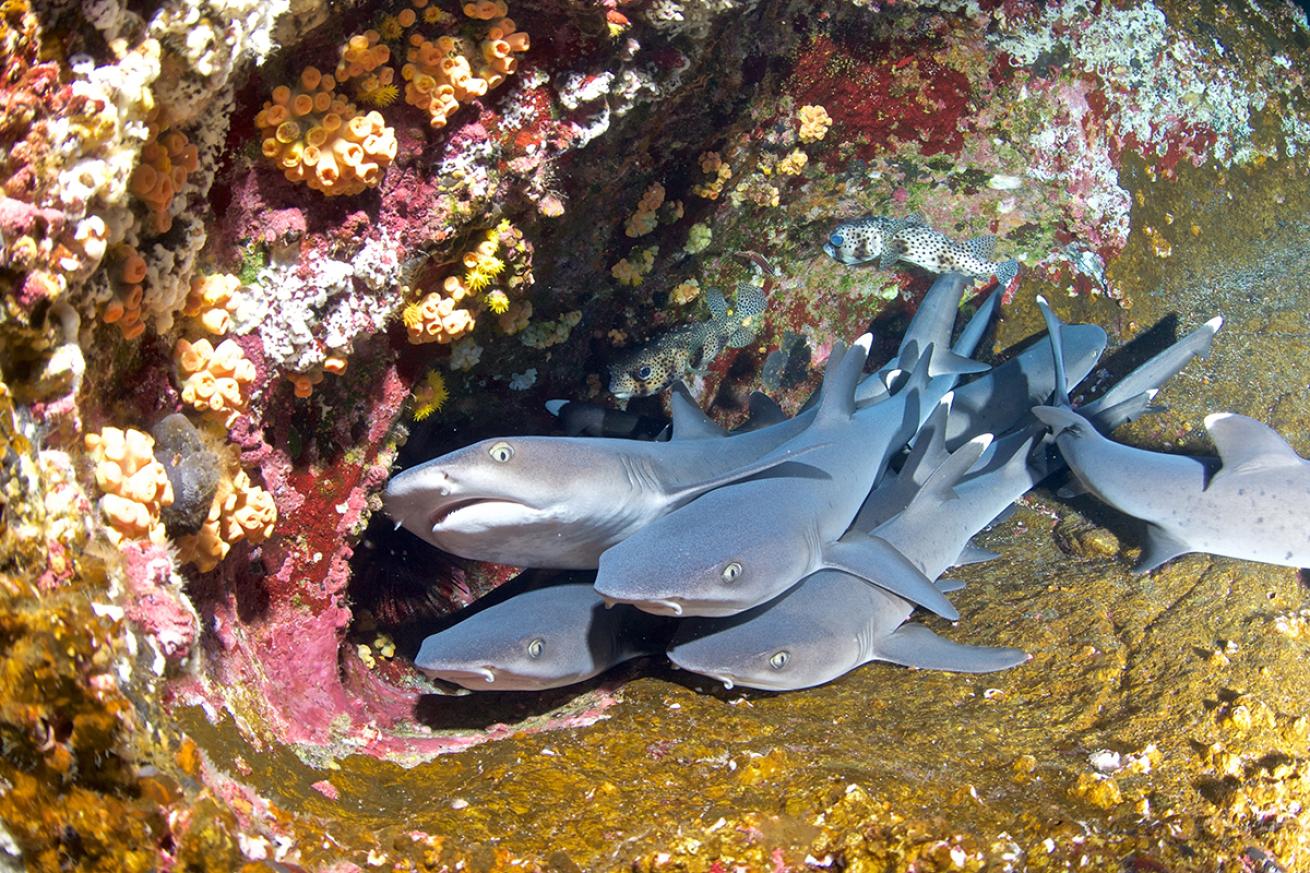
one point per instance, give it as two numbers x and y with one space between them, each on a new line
1054 332
939 487
1152 374
970 337
1060 419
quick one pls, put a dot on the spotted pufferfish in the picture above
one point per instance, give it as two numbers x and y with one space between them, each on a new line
889 240
690 347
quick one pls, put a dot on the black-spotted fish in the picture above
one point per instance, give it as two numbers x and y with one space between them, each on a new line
862 240
690 348
892 240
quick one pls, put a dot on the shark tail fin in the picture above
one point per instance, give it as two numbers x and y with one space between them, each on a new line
1053 330
1155 372
845 366
1060 419
948 363
971 336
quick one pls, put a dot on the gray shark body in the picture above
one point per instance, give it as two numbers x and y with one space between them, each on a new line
833 622
559 502
1249 503
546 638
739 546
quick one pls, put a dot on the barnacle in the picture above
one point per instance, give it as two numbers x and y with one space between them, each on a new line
318 137
135 486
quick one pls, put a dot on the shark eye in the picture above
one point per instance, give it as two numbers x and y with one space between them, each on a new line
536 647
731 572
837 239
644 372
501 452
779 659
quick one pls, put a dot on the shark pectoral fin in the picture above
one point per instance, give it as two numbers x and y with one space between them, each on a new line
948 363
972 554
981 247
1246 445
689 420
947 586
792 459
1160 546
913 645
764 410
878 562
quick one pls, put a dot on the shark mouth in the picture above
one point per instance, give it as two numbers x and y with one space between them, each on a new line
477 512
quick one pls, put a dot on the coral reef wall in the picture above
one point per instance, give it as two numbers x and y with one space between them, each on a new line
255 255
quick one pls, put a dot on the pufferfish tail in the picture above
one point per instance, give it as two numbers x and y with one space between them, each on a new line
746 315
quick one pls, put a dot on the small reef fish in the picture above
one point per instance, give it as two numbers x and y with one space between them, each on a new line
1249 503
545 638
911 240
690 347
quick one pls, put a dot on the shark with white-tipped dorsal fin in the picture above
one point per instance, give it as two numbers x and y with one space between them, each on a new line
1250 502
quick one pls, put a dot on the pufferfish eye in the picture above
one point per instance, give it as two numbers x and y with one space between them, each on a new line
536 647
837 239
644 373
731 572
501 452
779 659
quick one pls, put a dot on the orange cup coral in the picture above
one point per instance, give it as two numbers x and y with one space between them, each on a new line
135 486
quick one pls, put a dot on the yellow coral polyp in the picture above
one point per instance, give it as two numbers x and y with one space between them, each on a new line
497 301
645 219
333 148
814 121
633 271
135 486
793 163
712 164
214 379
430 396
211 302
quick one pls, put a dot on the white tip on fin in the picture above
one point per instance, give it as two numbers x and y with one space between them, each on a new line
1215 323
554 406
1215 417
865 341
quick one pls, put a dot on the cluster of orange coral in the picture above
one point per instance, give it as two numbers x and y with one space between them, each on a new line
643 221
135 486
438 317
364 57
442 73
241 510
127 272
214 379
210 301
166 161
712 165
318 137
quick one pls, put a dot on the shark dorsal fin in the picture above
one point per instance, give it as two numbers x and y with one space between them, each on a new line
929 450
689 420
845 366
764 410
940 486
981 247
1247 446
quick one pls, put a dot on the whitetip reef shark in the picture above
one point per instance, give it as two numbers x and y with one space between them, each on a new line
539 639
741 545
1248 503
